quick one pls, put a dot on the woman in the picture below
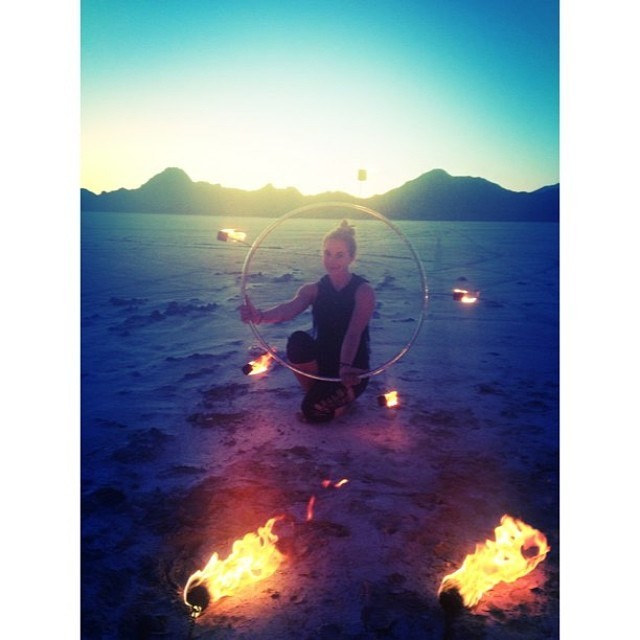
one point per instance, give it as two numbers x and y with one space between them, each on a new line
342 303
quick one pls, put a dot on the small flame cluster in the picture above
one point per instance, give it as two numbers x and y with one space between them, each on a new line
257 366
389 399
262 364
516 551
326 484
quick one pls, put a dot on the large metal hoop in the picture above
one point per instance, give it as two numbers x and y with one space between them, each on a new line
324 205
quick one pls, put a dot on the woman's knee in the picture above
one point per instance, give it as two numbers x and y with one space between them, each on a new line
301 347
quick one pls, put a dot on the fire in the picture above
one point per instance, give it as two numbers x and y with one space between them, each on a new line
232 235
260 365
467 297
325 485
516 551
389 399
252 558
328 483
310 506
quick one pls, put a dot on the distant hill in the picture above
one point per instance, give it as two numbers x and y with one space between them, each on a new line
435 195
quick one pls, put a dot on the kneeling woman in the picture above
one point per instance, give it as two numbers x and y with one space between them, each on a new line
342 303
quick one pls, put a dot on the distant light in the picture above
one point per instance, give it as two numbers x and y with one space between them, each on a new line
464 296
362 175
231 235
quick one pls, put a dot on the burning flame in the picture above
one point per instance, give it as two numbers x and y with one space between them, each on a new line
325 485
260 365
232 235
516 551
336 485
389 399
310 506
252 558
467 297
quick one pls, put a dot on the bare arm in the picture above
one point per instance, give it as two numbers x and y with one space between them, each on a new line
285 311
362 312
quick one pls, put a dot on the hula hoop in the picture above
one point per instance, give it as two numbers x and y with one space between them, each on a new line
324 205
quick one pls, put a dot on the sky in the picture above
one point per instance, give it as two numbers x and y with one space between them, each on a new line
303 93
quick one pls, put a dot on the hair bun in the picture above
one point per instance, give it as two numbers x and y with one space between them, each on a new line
349 228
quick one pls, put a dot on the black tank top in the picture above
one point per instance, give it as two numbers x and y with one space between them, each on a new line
332 312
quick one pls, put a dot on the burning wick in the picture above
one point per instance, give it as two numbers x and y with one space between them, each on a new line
388 400
516 551
231 235
260 365
467 297
252 558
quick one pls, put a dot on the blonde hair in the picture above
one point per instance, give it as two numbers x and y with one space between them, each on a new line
345 232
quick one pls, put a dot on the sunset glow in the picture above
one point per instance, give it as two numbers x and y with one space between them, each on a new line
307 96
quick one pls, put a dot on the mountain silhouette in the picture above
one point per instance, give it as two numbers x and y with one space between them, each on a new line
435 195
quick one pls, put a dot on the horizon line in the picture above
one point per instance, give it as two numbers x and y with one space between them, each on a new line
270 184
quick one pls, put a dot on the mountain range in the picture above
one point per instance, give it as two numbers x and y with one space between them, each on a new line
434 195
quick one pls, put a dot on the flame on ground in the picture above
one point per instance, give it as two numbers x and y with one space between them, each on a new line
254 557
310 507
389 399
326 484
260 365
516 551
336 485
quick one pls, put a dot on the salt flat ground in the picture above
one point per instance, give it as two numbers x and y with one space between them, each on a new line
182 454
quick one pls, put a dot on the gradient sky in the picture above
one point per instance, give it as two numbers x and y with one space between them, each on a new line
303 93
